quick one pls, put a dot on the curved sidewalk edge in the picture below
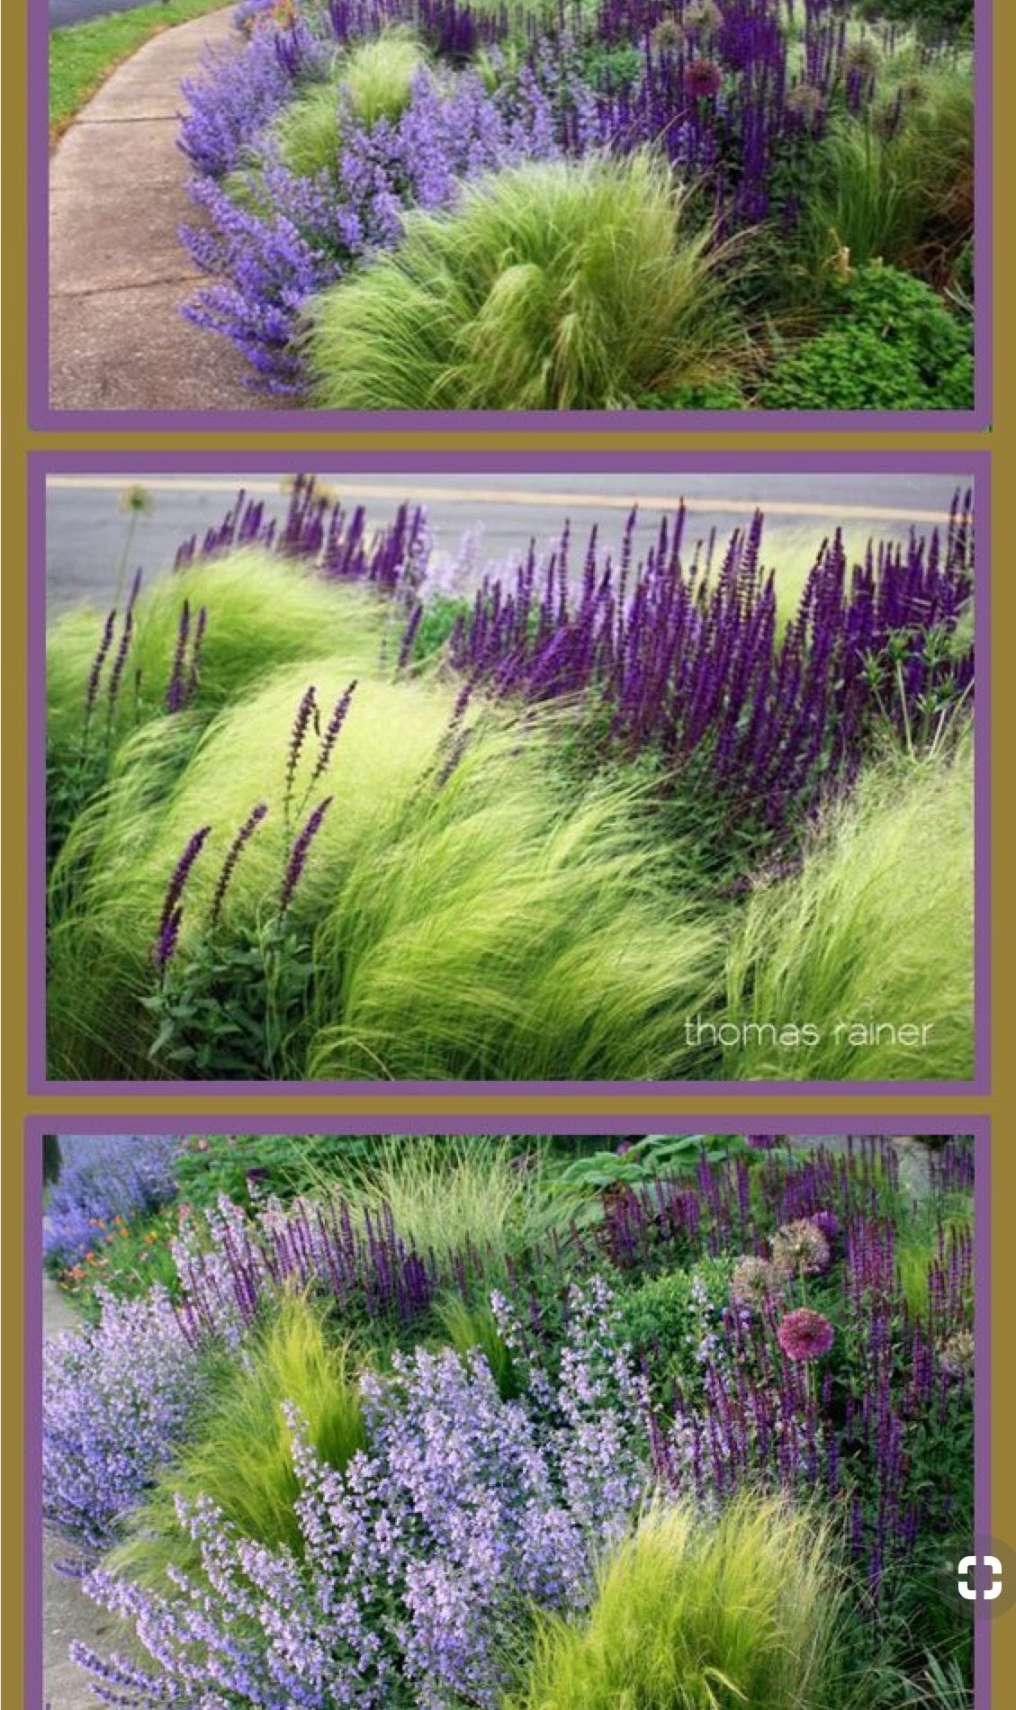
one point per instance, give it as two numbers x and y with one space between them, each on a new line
118 274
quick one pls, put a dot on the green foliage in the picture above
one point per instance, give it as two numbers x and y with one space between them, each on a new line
895 346
82 56
554 285
649 1159
473 1329
721 394
280 1164
695 1614
665 1319
236 1007
876 929
241 1457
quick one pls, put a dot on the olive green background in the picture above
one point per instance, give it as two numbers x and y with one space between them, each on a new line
1000 1106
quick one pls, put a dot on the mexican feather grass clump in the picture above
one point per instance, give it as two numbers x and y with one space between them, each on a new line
690 1614
874 930
471 917
308 819
549 286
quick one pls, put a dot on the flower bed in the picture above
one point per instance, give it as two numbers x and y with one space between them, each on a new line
315 812
611 204
739 1355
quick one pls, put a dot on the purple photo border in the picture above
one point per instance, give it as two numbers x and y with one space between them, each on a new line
36 1126
976 465
45 419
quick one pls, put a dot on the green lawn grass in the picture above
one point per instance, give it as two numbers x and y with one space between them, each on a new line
81 56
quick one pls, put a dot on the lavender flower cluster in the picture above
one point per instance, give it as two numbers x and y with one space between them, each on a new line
419 1558
103 1176
116 1399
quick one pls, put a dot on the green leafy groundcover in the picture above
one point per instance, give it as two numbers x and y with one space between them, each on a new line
303 828
684 1416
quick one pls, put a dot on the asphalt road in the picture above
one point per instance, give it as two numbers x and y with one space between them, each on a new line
86 524
76 11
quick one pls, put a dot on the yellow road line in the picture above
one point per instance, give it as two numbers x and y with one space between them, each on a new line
365 487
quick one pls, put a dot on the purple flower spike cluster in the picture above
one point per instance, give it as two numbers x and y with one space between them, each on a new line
229 1265
119 658
298 853
320 533
689 661
116 1399
463 1512
185 672
172 907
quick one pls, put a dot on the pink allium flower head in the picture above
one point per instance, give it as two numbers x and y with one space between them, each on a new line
702 78
805 1335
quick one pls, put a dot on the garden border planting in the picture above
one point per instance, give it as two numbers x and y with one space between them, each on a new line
640 1208
853 319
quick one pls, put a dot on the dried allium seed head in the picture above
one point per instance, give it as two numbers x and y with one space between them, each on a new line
668 35
957 1355
805 101
863 57
800 1248
753 1281
703 15
913 91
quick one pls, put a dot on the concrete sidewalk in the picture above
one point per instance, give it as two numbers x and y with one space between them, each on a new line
118 271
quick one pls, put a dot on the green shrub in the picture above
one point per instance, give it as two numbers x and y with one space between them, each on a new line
875 929
233 1164
241 1458
724 394
554 285
666 1318
896 346
699 1614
